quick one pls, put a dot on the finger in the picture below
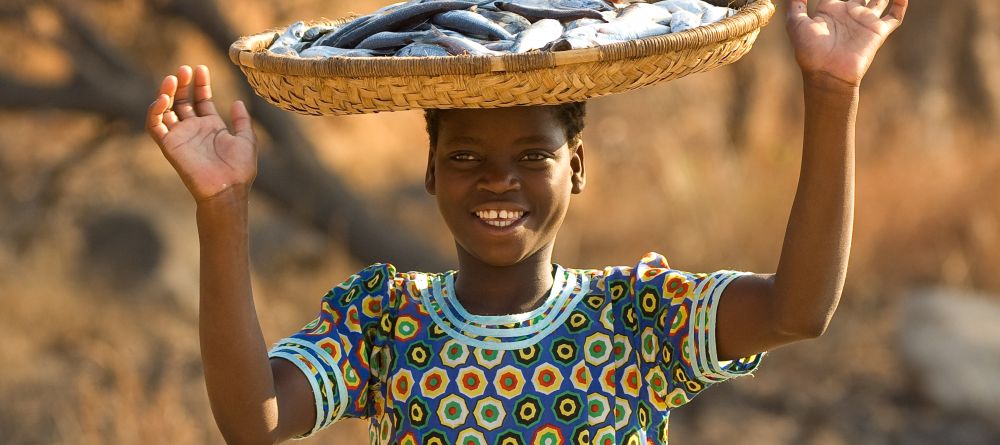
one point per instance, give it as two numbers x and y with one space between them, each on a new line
878 6
203 104
169 87
242 123
170 119
182 101
797 10
154 119
896 12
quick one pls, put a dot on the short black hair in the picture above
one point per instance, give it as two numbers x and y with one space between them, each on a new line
571 116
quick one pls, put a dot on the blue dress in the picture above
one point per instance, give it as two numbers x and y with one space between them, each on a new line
603 360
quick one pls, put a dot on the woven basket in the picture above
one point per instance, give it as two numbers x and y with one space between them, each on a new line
344 85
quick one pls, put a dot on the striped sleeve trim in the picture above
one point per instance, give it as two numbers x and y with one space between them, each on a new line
324 376
702 336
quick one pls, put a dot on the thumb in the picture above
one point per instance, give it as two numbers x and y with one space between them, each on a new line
242 123
797 10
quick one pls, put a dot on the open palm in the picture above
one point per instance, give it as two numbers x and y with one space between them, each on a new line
842 37
194 138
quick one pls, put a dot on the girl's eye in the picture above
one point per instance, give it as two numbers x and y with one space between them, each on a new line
535 157
463 157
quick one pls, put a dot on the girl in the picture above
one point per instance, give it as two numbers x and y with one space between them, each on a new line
512 348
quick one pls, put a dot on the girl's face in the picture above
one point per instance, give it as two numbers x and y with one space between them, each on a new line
503 179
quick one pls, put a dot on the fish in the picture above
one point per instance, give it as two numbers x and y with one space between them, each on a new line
415 28
581 22
471 23
451 33
291 36
644 11
401 16
330 51
283 50
389 39
596 5
421 49
332 38
568 43
715 13
683 20
500 45
607 33
314 32
513 23
457 45
540 33
533 13
695 7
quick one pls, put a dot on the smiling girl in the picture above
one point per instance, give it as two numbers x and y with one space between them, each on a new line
512 348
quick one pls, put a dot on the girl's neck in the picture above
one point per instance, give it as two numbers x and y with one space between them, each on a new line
484 289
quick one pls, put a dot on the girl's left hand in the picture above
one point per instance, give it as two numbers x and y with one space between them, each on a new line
841 40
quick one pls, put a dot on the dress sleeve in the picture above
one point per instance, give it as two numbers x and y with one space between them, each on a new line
334 351
677 315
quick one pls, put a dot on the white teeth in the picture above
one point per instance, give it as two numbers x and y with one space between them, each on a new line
505 217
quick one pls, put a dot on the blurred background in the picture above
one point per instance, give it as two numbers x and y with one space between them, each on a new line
99 250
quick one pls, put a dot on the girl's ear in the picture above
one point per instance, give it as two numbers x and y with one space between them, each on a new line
429 176
579 177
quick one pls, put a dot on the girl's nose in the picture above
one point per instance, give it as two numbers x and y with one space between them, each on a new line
499 179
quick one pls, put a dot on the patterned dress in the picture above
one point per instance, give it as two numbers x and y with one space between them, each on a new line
603 360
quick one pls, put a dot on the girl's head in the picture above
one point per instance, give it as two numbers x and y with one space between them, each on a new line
503 176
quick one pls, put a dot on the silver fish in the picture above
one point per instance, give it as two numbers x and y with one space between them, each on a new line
682 20
568 43
329 51
315 32
644 11
716 13
332 38
581 22
283 50
420 49
401 16
513 23
291 36
540 34
534 13
389 39
695 7
471 24
605 33
596 5
457 45
500 45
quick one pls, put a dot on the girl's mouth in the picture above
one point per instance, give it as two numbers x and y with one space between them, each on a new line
501 221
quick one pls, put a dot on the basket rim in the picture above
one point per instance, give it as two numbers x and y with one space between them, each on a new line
249 52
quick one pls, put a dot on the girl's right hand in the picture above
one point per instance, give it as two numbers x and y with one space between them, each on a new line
194 138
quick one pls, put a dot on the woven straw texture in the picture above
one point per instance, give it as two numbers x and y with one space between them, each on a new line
342 85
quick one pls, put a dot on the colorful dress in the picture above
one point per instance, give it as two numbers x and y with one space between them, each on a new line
603 360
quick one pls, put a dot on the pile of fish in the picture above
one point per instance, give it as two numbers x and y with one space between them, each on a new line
418 28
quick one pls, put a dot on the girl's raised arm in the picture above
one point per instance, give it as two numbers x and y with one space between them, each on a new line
834 49
252 401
